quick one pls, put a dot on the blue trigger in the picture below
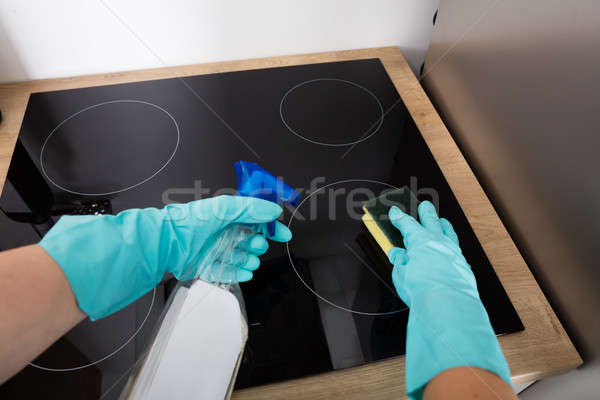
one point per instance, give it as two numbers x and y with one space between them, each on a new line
255 181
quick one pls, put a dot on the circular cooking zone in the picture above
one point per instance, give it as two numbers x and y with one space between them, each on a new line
109 147
331 112
331 252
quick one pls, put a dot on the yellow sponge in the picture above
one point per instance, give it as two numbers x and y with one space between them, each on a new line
380 237
376 216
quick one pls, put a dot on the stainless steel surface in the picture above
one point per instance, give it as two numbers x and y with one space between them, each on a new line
518 84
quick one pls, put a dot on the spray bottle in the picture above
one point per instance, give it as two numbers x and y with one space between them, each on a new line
252 181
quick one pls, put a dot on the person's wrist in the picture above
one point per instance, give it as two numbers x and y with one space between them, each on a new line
428 290
96 252
444 293
454 331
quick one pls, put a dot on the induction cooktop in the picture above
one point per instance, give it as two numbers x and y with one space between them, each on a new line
338 132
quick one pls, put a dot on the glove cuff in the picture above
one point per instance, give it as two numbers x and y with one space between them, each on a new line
446 332
102 259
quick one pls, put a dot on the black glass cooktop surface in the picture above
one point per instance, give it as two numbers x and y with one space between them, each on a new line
337 132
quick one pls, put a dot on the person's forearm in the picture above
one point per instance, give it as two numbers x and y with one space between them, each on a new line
37 306
468 383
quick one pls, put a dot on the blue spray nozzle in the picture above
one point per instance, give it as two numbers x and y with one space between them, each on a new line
255 181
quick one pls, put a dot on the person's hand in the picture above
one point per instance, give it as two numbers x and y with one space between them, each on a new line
432 259
112 260
447 326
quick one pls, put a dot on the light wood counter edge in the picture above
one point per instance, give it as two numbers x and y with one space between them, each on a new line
542 350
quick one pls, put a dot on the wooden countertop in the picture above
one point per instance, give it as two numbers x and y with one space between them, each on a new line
541 350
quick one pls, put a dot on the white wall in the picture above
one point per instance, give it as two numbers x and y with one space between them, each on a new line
45 39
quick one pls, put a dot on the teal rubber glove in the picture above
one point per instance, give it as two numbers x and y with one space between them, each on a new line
447 325
112 260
